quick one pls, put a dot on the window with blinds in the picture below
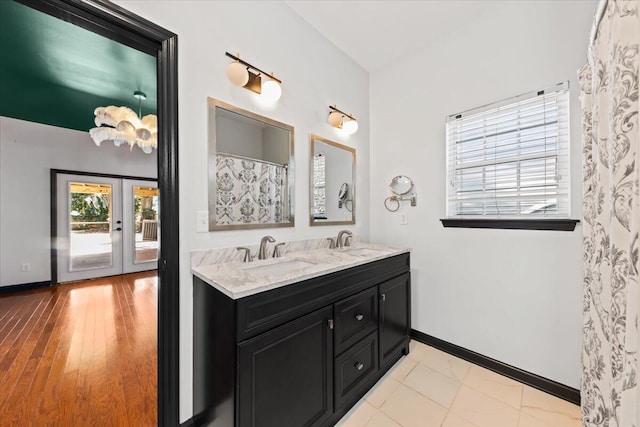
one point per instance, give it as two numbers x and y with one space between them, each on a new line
319 191
510 159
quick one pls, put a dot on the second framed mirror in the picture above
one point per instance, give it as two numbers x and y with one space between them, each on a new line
332 177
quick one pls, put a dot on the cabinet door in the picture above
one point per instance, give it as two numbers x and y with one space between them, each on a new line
286 374
395 318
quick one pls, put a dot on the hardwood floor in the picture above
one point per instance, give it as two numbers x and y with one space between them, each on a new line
80 354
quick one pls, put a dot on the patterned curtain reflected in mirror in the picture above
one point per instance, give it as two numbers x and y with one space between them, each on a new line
250 191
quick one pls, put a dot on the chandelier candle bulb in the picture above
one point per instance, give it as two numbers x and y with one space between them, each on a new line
123 125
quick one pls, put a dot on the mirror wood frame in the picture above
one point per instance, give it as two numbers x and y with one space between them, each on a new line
312 221
114 22
214 104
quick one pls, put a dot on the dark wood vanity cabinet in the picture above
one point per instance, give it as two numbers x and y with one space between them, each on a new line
395 315
286 374
300 355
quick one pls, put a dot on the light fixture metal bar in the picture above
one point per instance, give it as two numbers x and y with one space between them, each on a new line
253 67
331 107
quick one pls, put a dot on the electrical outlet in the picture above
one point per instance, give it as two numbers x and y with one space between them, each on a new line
25 267
202 221
404 218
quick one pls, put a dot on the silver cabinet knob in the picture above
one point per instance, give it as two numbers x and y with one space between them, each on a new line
358 366
359 317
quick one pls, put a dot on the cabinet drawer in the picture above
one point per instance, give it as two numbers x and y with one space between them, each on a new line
355 367
355 318
267 310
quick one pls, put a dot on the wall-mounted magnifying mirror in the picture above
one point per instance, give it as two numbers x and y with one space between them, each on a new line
342 194
332 181
401 185
250 169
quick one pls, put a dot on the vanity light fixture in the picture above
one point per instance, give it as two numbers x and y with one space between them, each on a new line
243 74
341 120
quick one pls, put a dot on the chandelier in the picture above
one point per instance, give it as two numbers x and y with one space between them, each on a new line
123 126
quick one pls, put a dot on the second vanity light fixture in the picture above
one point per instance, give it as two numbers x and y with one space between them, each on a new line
243 74
341 120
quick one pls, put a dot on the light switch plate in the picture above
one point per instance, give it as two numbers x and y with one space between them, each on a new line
202 221
404 218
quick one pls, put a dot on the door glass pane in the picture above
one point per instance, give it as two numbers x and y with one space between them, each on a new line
145 218
90 244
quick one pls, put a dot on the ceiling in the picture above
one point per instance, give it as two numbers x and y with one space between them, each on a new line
375 33
56 73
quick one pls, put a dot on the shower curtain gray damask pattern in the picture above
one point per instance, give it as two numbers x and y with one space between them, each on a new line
611 219
250 191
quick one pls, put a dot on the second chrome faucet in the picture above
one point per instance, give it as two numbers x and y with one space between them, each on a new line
262 252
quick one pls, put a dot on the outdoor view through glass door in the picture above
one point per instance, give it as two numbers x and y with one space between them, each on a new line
105 226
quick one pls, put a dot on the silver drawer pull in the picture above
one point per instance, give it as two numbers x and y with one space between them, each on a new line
358 366
359 317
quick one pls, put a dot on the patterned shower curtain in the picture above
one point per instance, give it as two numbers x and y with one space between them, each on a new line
611 214
250 191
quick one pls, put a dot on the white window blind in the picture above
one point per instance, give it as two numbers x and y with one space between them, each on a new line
319 190
510 159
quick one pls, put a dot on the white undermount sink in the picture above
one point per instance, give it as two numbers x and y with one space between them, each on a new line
277 268
363 251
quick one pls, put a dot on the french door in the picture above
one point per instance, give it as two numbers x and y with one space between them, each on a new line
105 226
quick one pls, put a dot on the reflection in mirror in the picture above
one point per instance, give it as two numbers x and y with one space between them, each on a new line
250 170
401 185
332 180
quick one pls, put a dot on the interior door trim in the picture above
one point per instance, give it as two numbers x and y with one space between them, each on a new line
116 23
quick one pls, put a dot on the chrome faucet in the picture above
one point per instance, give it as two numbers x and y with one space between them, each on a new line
247 254
339 241
276 251
262 252
332 242
347 240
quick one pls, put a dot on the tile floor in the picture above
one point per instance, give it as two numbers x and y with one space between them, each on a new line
430 388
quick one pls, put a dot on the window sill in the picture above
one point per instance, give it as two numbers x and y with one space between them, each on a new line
512 224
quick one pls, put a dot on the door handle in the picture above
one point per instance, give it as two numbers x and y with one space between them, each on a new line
119 229
359 317
358 366
118 222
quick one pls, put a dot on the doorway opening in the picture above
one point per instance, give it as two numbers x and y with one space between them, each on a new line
115 23
105 225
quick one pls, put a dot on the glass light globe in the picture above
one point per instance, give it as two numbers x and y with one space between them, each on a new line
143 133
271 90
126 126
335 119
237 74
349 126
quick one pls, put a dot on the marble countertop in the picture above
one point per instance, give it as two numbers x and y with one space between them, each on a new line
238 279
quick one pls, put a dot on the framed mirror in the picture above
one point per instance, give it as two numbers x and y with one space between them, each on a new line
250 170
332 177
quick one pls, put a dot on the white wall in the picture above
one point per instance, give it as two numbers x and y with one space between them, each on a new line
273 149
515 296
238 137
27 153
315 74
